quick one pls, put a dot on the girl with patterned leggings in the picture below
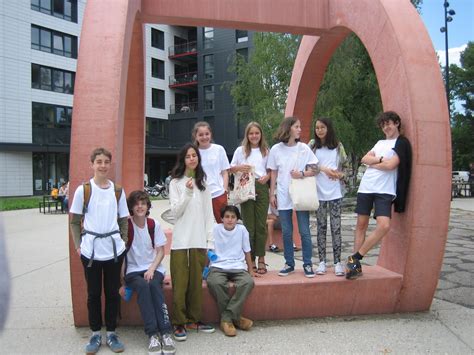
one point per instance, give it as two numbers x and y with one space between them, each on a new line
332 169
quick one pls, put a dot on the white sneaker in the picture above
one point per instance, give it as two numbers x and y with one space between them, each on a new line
155 345
321 270
339 269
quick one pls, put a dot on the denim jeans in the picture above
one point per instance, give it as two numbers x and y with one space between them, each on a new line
286 220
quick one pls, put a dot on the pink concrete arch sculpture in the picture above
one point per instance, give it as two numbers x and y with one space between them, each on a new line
109 111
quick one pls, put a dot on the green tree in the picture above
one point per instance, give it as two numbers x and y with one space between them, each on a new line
262 83
350 96
462 124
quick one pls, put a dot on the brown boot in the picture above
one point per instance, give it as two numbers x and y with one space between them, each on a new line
228 329
243 323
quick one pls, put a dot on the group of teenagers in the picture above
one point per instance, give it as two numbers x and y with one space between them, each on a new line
119 245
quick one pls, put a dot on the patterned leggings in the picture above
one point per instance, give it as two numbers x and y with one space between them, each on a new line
335 207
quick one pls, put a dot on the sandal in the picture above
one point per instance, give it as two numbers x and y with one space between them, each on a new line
273 248
262 270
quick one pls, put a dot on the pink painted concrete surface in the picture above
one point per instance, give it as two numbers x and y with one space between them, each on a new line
109 112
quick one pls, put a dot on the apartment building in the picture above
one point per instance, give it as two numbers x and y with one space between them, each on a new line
186 74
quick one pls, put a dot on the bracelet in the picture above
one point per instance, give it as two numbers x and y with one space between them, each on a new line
302 173
381 158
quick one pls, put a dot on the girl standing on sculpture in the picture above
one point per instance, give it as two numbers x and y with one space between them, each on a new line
253 155
332 169
288 160
215 164
191 206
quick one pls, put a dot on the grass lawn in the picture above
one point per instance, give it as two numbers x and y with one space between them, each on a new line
19 203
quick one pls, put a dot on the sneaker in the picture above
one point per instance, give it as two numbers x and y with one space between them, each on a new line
180 333
273 248
155 345
339 269
286 270
228 329
114 343
200 327
243 323
353 268
308 271
321 270
94 344
168 345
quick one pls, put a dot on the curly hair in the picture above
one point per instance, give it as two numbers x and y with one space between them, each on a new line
135 197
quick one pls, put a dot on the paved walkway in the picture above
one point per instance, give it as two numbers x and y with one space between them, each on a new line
40 319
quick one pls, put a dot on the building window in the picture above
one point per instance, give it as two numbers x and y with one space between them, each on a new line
208 37
157 68
51 123
209 97
65 9
157 39
209 66
156 128
50 41
241 36
51 79
158 98
243 53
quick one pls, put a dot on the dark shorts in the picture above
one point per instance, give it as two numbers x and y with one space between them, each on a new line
382 203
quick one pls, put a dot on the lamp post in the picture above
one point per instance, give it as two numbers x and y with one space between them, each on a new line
447 18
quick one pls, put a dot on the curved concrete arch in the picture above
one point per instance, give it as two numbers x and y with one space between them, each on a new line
410 83
109 111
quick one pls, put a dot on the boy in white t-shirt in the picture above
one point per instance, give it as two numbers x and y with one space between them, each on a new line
234 263
144 272
101 246
379 187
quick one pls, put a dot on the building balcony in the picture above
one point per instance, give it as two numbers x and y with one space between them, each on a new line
184 80
186 52
185 107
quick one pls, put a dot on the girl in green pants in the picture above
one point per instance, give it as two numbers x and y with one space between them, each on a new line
253 155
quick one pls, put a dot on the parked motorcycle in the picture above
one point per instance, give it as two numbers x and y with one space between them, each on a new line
157 190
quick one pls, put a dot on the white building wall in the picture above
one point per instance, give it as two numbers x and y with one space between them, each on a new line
151 82
16 174
16 94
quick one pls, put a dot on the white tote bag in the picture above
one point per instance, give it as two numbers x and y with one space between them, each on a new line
303 192
244 188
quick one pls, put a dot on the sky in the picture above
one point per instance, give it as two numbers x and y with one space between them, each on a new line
460 30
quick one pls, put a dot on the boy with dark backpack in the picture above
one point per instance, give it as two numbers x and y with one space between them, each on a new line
99 229
144 272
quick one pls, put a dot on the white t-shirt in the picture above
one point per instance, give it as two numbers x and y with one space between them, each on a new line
141 254
101 217
380 181
328 189
230 247
284 159
192 210
214 161
255 159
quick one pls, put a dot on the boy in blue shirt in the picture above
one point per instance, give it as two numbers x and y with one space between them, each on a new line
234 263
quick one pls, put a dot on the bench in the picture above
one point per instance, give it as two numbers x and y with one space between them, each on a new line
53 205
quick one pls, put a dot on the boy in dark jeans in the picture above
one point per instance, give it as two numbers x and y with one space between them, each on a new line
144 272
101 246
234 263
384 182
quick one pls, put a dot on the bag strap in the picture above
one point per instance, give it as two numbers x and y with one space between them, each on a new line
151 230
87 187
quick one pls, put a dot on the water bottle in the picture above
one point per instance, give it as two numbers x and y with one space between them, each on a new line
128 294
205 272
212 256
